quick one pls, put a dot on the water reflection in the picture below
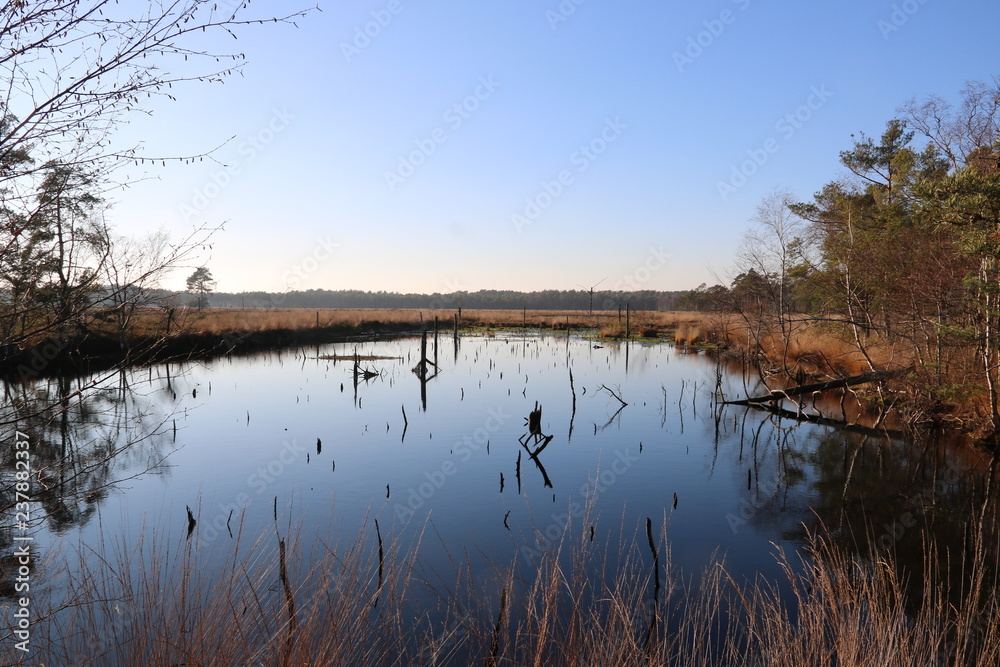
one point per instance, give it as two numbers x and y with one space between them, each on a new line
426 370
724 478
85 436
538 440
871 492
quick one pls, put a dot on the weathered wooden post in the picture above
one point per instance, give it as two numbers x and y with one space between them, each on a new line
423 352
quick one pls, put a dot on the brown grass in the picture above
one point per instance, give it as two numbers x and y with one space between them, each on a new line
944 385
690 333
584 603
221 321
814 348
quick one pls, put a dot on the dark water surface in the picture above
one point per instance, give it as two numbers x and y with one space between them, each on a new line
240 439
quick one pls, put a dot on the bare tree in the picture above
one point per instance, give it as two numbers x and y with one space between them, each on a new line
133 269
73 70
71 73
765 259
958 131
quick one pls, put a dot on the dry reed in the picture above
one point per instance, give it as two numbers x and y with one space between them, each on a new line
813 348
222 321
583 602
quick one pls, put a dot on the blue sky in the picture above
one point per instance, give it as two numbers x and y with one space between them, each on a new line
531 145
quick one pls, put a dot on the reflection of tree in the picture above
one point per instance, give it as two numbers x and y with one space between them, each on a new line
873 494
85 438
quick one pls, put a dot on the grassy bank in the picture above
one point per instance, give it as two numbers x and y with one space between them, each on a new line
363 320
952 393
818 350
159 334
371 600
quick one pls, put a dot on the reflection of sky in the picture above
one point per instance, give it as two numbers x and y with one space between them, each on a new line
247 431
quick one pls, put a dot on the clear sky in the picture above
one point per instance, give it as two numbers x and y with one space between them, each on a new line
532 144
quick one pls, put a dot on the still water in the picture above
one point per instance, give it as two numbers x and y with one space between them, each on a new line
637 431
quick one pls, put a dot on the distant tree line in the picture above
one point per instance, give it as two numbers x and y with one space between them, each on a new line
485 299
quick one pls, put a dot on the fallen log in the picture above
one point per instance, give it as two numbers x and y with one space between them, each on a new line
875 431
779 394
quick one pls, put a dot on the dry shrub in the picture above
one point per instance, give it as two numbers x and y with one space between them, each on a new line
689 334
818 349
612 330
851 610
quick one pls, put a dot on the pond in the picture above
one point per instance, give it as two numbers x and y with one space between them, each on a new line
321 444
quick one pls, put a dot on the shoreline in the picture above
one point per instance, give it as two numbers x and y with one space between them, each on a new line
219 332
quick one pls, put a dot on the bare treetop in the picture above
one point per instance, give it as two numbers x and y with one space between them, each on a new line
72 70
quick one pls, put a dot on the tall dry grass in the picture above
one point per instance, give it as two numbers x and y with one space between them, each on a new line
583 602
224 320
813 348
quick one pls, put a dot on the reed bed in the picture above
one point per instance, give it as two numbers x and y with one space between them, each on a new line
223 321
368 601
815 348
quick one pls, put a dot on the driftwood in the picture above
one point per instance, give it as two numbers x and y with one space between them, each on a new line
617 396
779 394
